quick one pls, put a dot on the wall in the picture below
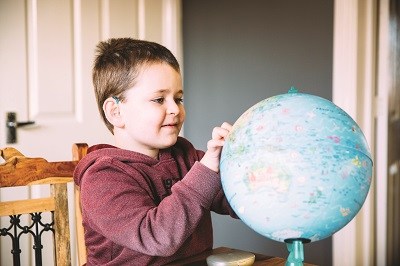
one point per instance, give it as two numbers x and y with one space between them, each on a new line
236 55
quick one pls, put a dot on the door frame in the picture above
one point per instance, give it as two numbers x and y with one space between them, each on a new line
360 86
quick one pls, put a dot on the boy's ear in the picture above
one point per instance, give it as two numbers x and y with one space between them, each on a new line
112 112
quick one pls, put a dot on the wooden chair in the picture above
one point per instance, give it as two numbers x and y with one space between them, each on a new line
18 170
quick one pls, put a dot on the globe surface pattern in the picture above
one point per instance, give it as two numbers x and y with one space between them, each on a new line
296 166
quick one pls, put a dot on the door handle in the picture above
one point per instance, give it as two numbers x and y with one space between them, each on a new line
11 126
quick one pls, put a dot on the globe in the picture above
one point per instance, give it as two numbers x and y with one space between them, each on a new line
296 166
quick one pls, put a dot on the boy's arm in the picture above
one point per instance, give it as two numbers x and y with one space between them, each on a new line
121 209
221 205
211 159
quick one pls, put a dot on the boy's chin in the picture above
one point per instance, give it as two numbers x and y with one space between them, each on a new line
169 142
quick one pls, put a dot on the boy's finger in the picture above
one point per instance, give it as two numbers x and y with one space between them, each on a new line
215 143
219 133
226 126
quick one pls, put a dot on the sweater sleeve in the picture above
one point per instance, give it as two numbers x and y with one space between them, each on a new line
219 204
117 205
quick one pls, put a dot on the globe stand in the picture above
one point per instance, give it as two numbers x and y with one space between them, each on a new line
296 251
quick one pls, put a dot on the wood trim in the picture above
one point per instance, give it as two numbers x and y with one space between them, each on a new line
26 206
172 28
31 169
354 83
79 150
51 180
61 225
343 95
80 234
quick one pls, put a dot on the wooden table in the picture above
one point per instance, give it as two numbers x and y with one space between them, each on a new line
200 259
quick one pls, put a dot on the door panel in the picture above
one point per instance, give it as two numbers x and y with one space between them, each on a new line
53 58
13 63
122 23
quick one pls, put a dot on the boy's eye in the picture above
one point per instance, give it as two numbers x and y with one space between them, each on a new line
158 100
179 100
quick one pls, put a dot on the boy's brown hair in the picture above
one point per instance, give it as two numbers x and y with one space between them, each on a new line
118 63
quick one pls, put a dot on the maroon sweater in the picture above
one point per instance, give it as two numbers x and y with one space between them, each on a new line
142 211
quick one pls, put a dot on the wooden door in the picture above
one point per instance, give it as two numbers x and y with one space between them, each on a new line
393 147
46 55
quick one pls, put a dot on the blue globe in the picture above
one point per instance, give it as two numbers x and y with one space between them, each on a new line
296 166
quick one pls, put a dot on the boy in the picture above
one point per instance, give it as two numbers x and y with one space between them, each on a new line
146 201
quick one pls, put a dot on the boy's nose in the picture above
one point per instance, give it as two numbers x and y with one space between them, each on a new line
173 108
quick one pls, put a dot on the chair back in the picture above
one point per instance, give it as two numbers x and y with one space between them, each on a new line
21 171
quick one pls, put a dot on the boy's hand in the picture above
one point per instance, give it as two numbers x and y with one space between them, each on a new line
214 147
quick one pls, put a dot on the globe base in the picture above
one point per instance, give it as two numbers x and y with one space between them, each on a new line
296 251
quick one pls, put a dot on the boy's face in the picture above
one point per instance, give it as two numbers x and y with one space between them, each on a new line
153 111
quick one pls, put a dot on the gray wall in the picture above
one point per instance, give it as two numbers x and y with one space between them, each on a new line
237 53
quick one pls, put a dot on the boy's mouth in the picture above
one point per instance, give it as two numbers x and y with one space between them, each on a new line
170 125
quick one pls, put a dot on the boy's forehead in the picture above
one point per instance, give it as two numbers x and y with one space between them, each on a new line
156 66
150 80
166 91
